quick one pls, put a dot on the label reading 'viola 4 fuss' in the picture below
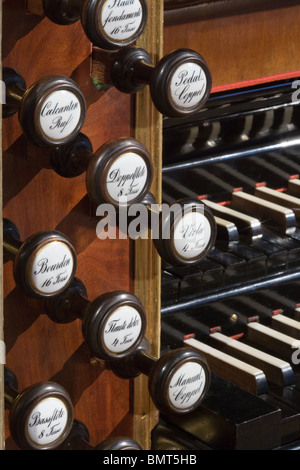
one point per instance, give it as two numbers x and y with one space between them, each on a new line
188 85
121 19
60 114
47 421
122 329
192 234
127 177
51 268
187 385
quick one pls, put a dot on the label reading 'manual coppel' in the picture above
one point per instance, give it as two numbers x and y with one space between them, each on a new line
60 114
121 19
188 85
127 177
47 421
187 385
51 268
122 329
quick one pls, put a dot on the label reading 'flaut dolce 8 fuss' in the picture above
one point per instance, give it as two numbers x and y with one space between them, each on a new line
60 114
188 85
187 385
51 268
127 177
122 329
47 421
121 19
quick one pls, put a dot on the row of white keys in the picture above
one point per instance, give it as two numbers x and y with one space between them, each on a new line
244 375
274 341
276 370
281 198
267 212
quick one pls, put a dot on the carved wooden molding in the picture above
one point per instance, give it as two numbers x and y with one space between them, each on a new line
147 269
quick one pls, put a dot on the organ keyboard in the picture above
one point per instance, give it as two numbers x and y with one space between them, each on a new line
240 305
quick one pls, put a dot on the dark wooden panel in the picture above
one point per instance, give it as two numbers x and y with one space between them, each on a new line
242 47
36 198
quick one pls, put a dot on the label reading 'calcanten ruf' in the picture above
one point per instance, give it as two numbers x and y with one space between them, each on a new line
60 114
192 234
121 19
188 85
127 177
122 329
187 385
47 421
52 267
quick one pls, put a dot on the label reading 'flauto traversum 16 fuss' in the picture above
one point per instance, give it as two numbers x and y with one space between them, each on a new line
121 19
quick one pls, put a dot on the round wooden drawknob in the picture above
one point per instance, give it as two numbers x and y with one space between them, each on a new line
184 232
180 83
78 439
109 24
120 172
113 324
43 265
178 381
51 111
41 416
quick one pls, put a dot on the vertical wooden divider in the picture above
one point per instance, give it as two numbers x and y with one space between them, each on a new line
147 269
1 283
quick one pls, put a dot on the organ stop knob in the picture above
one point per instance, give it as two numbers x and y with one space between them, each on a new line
41 416
180 83
51 111
44 264
109 24
120 172
178 380
113 324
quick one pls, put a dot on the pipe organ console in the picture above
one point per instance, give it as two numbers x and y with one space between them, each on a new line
238 307
189 338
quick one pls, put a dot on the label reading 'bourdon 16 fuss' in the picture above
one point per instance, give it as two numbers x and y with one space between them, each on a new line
51 268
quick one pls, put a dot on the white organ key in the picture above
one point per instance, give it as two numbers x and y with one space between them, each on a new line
242 374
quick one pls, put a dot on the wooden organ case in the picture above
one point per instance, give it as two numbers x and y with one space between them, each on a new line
243 140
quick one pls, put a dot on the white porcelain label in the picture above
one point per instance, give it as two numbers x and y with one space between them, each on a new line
121 19
51 268
60 114
192 234
188 85
127 177
122 329
187 385
47 421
